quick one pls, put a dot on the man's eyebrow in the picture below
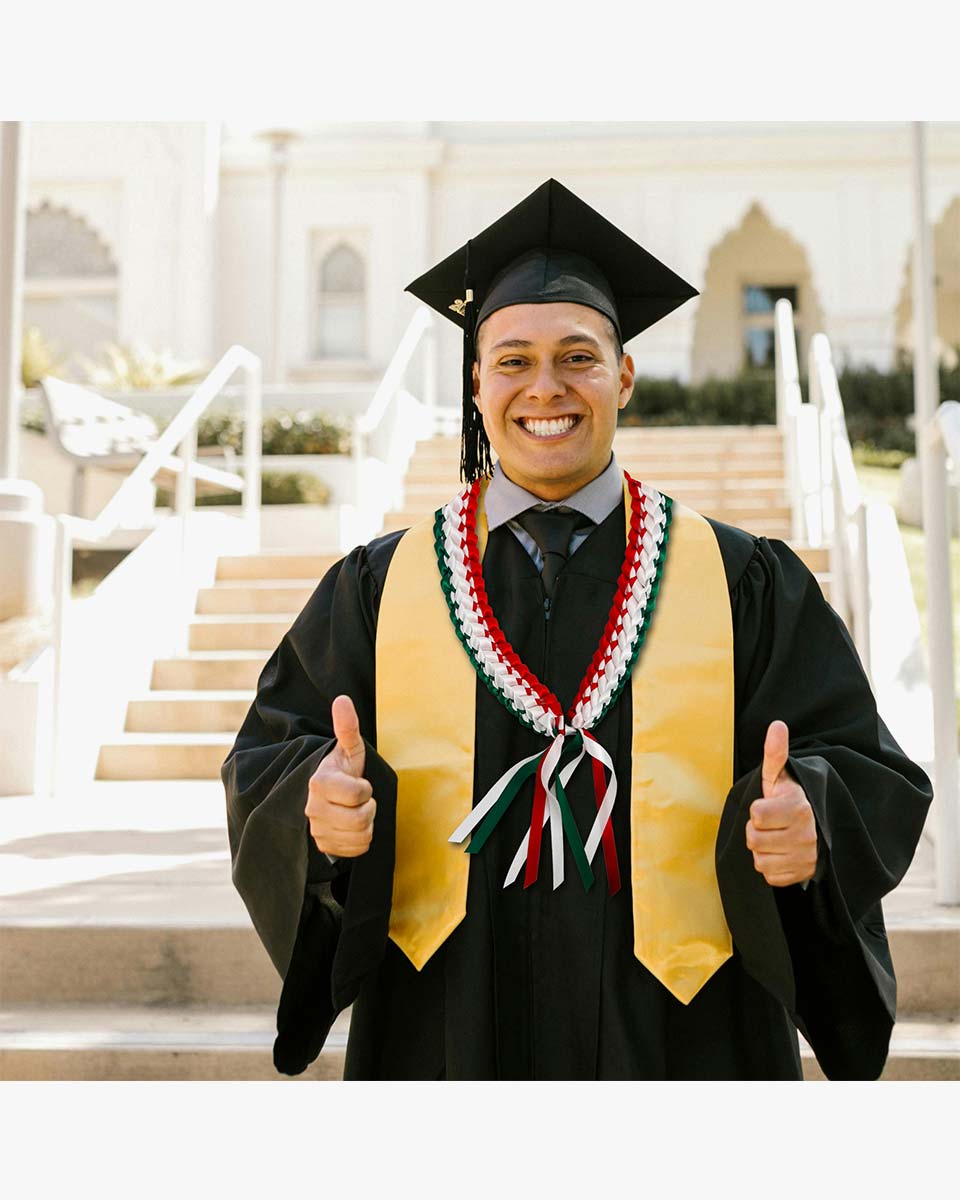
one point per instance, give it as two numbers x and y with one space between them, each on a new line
515 343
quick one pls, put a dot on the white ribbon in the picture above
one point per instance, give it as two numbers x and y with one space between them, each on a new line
595 750
493 795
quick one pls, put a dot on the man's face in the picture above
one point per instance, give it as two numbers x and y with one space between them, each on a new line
550 363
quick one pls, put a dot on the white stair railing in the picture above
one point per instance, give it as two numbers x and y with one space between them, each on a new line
182 432
798 422
391 426
843 513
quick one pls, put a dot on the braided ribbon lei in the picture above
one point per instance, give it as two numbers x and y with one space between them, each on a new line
511 681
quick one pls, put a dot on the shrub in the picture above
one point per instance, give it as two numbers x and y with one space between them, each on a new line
744 400
276 487
283 433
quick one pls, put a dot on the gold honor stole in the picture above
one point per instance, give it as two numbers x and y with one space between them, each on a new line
681 753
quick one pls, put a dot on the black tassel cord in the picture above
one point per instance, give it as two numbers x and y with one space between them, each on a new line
475 456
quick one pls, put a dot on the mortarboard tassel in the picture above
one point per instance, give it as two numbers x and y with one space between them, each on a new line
475 458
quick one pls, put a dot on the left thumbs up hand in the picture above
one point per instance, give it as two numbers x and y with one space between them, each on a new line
782 831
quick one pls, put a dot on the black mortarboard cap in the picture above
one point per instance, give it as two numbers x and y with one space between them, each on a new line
550 247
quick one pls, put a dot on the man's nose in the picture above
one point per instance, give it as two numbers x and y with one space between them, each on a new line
546 383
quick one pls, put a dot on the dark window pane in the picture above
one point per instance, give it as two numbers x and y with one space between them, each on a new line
761 299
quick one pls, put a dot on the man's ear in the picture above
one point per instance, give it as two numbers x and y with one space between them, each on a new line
476 387
627 377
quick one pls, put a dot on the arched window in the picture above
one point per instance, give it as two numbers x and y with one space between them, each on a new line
341 327
70 282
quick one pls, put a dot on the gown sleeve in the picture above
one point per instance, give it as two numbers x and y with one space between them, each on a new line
306 909
821 950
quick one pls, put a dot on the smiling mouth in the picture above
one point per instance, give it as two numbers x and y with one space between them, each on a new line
556 427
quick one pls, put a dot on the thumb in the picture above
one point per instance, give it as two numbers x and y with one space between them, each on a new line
776 747
346 729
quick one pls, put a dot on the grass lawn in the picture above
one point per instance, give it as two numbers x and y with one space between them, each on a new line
881 483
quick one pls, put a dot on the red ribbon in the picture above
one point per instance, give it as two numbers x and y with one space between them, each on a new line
536 828
609 845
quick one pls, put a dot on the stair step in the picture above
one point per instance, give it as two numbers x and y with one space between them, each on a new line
222 963
238 631
126 1042
178 711
163 756
276 565
256 596
141 963
205 669
926 959
919 1049
189 961
816 558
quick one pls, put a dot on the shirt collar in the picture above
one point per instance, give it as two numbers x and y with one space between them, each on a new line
504 499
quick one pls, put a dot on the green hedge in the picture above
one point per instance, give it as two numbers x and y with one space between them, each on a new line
744 400
877 403
276 487
283 433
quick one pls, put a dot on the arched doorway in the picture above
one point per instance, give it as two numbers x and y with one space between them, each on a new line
946 271
747 271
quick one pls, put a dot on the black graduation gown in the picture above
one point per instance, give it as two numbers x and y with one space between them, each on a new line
543 984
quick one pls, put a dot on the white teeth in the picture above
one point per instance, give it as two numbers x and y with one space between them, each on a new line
548 428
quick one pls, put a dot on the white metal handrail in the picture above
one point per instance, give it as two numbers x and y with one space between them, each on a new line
798 423
789 399
843 513
182 426
392 397
393 377
181 431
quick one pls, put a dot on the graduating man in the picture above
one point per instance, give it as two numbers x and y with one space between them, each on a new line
568 781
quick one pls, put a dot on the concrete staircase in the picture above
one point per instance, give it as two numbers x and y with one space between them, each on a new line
184 726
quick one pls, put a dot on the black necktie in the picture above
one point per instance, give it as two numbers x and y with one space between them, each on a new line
552 530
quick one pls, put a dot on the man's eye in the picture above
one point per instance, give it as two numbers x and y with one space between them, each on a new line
511 362
581 354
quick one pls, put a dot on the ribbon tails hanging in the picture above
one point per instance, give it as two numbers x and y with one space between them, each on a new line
455 540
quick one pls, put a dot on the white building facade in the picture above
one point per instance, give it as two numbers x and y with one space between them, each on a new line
180 235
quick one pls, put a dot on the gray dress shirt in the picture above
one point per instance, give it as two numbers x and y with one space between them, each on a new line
597 499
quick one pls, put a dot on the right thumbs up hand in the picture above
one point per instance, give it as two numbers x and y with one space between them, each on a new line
340 804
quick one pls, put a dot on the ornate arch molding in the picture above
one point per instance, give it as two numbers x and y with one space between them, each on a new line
946 270
752 251
63 244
